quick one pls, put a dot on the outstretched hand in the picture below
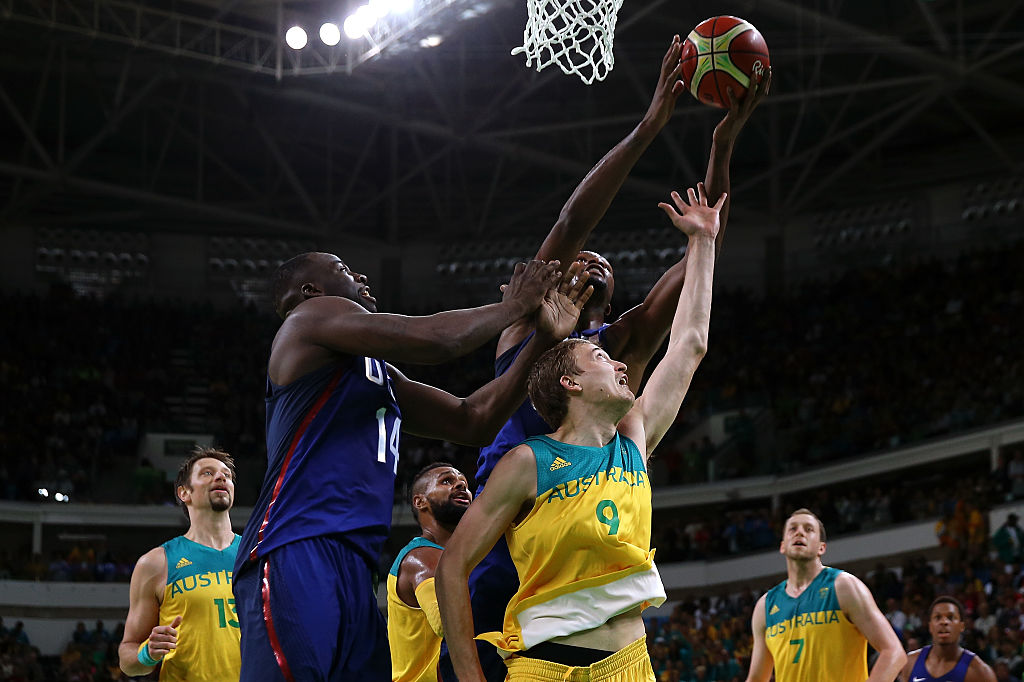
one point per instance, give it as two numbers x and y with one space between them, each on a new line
561 308
695 217
163 639
530 283
669 86
728 129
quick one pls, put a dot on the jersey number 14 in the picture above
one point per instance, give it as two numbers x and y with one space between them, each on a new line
375 373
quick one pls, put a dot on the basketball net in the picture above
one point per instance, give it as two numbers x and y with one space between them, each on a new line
576 35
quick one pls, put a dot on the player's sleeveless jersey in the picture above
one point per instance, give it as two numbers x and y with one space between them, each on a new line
583 552
332 454
810 638
414 645
199 590
957 674
525 422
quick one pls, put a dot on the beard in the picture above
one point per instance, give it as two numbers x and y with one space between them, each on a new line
220 503
448 513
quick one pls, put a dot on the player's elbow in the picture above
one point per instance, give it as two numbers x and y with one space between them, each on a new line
694 343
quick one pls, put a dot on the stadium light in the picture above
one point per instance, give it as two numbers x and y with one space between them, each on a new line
353 28
330 34
296 38
431 41
43 492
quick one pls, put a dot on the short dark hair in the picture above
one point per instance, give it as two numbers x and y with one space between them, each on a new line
418 483
184 477
283 291
946 599
547 394
805 510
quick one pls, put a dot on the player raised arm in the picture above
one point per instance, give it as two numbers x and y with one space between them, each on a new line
640 331
656 409
592 197
475 420
511 490
761 663
859 606
142 624
338 317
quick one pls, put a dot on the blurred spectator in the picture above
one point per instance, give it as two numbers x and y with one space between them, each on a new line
1008 540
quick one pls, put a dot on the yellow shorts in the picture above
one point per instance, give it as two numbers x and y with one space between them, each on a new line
629 664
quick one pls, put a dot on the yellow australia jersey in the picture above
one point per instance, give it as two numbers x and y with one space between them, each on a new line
583 553
810 638
415 647
199 590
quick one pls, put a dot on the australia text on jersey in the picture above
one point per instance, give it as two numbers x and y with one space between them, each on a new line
803 620
574 487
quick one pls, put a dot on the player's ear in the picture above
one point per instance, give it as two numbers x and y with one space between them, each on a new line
184 494
821 549
608 310
569 384
419 502
310 290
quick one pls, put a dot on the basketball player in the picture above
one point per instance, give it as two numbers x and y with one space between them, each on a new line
575 505
304 578
816 624
944 660
440 496
633 338
181 613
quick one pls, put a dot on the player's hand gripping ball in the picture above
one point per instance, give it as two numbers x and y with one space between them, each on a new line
721 53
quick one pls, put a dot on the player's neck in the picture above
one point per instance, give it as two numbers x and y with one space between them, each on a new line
436 533
946 652
800 574
590 318
585 430
211 528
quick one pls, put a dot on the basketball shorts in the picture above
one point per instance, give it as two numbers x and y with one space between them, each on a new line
308 613
629 664
492 584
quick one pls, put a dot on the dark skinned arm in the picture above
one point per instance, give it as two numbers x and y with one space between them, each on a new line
433 413
320 329
640 331
592 197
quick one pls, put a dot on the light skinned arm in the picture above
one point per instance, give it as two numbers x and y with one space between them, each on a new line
592 197
475 420
761 662
511 490
143 620
655 410
640 331
859 606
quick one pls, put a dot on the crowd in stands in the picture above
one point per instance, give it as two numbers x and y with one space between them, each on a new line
874 359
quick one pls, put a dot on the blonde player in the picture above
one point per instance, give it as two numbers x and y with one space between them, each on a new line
181 611
575 506
816 624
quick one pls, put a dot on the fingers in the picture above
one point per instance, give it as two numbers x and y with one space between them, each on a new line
678 201
176 622
577 285
669 210
721 202
584 297
702 194
672 56
691 196
570 278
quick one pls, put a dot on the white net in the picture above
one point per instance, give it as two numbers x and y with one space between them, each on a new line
576 35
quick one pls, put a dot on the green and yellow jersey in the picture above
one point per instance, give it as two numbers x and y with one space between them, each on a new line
415 642
810 638
199 590
583 553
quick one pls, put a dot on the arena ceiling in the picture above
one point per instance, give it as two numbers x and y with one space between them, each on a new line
188 116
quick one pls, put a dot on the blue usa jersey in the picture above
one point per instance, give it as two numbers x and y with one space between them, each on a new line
332 455
525 422
957 674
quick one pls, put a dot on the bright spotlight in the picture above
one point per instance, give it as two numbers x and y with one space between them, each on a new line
400 6
380 8
353 27
43 492
366 17
431 41
330 34
59 497
296 38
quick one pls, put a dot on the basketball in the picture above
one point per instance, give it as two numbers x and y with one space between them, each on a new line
721 53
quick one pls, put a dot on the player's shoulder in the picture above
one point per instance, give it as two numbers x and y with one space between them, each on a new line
979 671
153 560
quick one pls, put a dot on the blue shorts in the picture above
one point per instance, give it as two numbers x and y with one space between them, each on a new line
492 584
308 614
